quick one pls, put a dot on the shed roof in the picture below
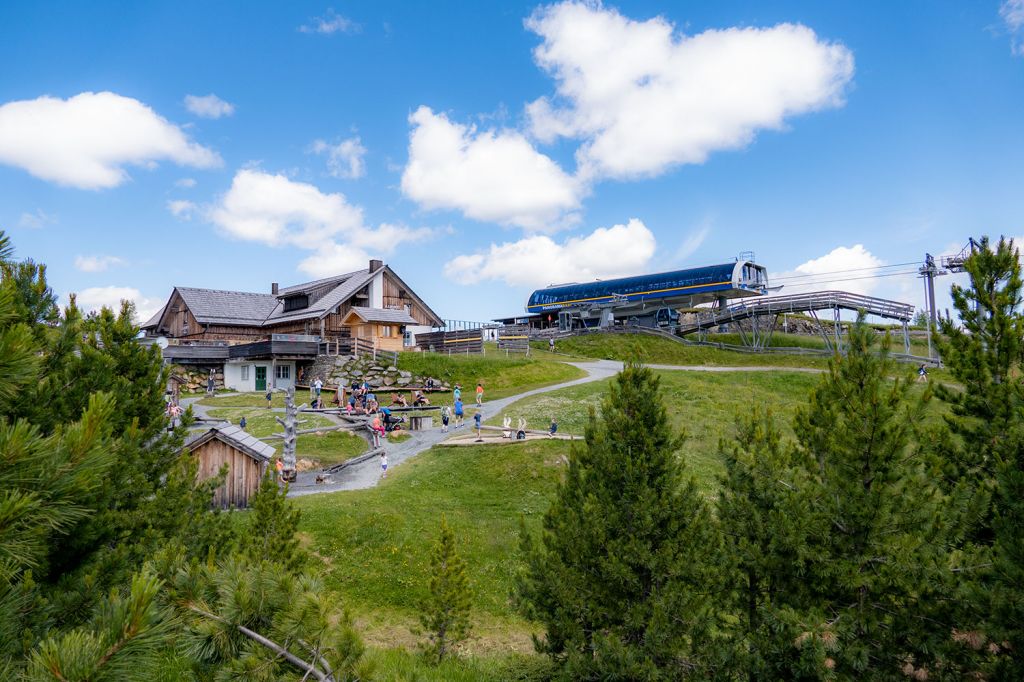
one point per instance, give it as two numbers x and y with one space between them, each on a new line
236 438
384 315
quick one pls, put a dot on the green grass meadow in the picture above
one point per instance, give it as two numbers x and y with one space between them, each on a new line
501 376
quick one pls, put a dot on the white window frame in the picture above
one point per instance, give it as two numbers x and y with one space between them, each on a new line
245 372
284 372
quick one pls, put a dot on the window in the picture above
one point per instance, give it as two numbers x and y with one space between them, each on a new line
245 372
284 371
385 330
296 303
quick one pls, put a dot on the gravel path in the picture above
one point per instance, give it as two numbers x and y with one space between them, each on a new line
365 474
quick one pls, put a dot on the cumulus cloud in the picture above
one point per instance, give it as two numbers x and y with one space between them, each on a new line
94 298
34 221
181 208
345 159
494 176
1012 12
96 263
86 141
329 24
208 106
273 209
644 98
185 183
539 260
847 268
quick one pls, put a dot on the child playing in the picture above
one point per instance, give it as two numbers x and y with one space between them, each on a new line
383 465
477 422
479 395
458 413
554 427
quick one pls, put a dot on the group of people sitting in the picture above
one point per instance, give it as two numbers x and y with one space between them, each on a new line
418 400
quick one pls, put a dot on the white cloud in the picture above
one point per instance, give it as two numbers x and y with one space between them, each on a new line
334 258
186 183
644 98
494 176
844 268
85 141
96 263
329 24
345 159
538 260
34 221
692 243
275 210
182 208
94 298
208 106
1012 12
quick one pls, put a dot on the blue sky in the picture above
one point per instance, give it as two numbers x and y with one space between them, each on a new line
485 149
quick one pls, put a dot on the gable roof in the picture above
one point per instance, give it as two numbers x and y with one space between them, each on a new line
236 438
245 309
322 307
381 315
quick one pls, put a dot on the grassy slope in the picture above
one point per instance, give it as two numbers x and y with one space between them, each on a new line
703 405
667 352
501 376
376 542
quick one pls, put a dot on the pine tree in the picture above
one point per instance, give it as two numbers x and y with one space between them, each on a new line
765 516
874 542
985 457
445 613
623 573
272 526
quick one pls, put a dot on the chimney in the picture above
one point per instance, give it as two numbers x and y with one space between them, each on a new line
273 288
376 265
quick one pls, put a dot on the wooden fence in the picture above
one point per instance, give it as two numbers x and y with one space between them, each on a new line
467 341
514 337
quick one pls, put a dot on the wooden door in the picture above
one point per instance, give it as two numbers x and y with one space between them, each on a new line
261 378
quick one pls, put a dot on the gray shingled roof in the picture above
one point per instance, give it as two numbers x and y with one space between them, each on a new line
383 315
155 320
235 437
326 303
297 288
212 306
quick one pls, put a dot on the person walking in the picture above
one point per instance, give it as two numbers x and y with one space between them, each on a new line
383 465
479 394
446 413
477 422
551 345
554 427
458 413
922 374
457 393
317 386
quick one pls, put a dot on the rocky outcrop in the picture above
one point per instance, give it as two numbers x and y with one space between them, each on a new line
334 370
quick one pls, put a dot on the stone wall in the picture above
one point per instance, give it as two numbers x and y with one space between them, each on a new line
195 377
334 370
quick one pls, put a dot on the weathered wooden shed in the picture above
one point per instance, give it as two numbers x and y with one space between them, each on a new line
247 458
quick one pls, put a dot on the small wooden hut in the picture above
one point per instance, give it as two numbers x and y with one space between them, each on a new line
247 458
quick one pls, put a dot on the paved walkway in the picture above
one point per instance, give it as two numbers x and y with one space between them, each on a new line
366 474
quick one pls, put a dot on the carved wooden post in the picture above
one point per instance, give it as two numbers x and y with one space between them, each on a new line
289 425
